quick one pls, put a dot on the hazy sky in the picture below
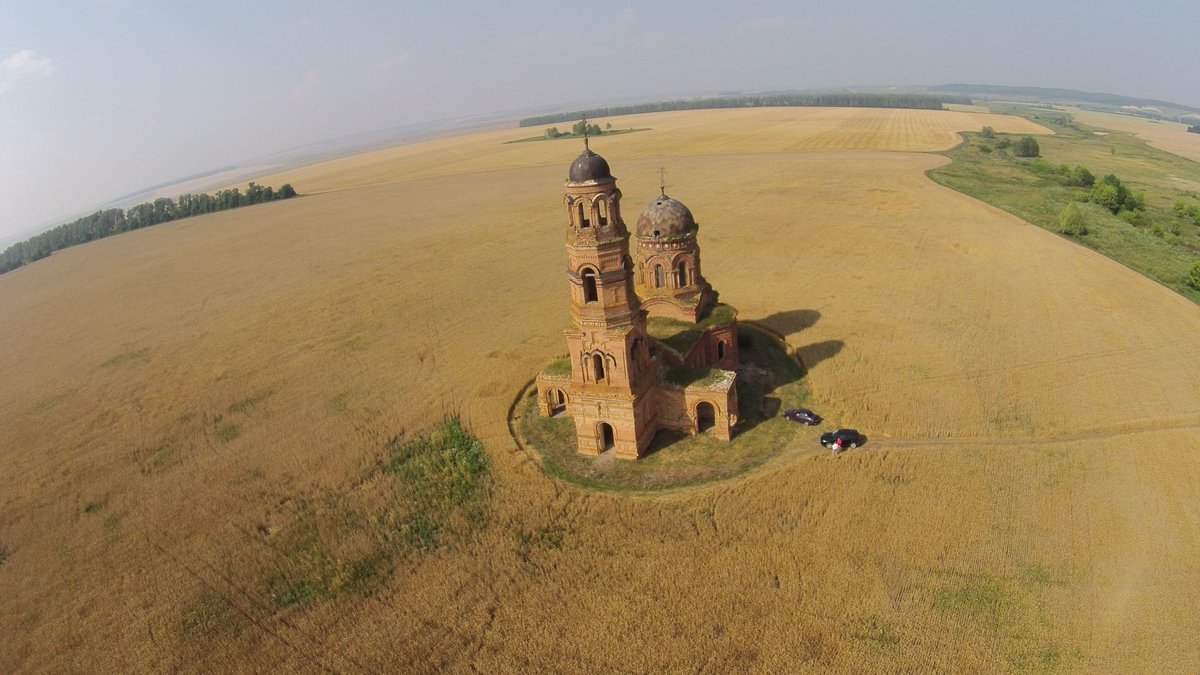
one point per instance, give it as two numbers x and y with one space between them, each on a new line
99 98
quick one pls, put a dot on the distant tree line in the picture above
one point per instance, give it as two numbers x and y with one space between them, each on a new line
831 100
115 221
1195 128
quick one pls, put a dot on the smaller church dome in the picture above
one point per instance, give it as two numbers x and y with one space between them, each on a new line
665 217
589 166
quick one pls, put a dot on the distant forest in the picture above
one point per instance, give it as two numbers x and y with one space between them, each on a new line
831 100
115 221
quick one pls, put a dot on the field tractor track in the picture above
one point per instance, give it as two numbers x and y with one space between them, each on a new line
1145 427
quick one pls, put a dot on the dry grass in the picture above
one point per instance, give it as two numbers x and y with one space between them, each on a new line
1027 499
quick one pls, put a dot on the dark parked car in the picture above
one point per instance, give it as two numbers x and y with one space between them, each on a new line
803 416
849 437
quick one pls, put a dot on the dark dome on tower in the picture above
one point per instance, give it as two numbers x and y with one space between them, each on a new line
589 166
665 217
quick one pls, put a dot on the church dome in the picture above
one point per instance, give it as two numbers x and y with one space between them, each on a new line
665 217
588 167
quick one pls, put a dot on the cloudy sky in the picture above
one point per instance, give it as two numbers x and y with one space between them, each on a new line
99 98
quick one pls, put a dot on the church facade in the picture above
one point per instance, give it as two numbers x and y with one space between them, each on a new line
649 346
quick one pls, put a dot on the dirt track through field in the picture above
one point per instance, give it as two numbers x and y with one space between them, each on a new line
1025 501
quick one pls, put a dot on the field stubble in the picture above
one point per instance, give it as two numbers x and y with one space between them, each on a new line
961 340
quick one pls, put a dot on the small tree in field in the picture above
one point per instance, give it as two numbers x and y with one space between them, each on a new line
1194 276
1027 146
988 132
1072 221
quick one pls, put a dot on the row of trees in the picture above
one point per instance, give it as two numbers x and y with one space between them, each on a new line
578 130
115 221
832 100
1195 128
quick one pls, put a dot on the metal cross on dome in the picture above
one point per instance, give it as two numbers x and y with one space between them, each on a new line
662 180
585 135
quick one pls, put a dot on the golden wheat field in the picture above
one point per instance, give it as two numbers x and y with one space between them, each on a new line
1171 137
1026 500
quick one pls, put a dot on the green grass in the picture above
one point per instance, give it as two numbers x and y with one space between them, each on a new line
1163 245
699 377
544 137
682 336
210 615
876 631
560 367
340 403
226 431
50 403
774 382
246 405
426 493
119 359
983 601
155 460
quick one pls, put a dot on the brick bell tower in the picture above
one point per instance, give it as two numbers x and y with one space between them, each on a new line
611 370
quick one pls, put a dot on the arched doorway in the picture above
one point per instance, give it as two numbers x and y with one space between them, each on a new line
558 402
721 350
706 417
607 438
681 277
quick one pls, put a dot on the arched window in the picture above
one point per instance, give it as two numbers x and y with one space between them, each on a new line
589 287
681 279
581 205
602 211
721 350
659 276
598 367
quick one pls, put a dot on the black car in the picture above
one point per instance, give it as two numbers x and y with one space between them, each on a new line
850 438
803 416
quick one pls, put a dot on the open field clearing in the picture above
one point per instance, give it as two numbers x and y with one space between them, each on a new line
176 400
1169 136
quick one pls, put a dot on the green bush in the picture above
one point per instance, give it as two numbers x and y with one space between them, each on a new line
1026 146
1106 195
1072 221
1082 177
1194 276
987 132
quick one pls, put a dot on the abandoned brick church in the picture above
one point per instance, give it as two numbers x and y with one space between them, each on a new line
650 346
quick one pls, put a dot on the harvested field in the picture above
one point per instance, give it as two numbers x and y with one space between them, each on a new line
174 398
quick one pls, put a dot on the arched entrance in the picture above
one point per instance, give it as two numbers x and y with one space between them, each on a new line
557 401
706 417
607 439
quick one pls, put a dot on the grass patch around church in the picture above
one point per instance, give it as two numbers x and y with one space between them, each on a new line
769 381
